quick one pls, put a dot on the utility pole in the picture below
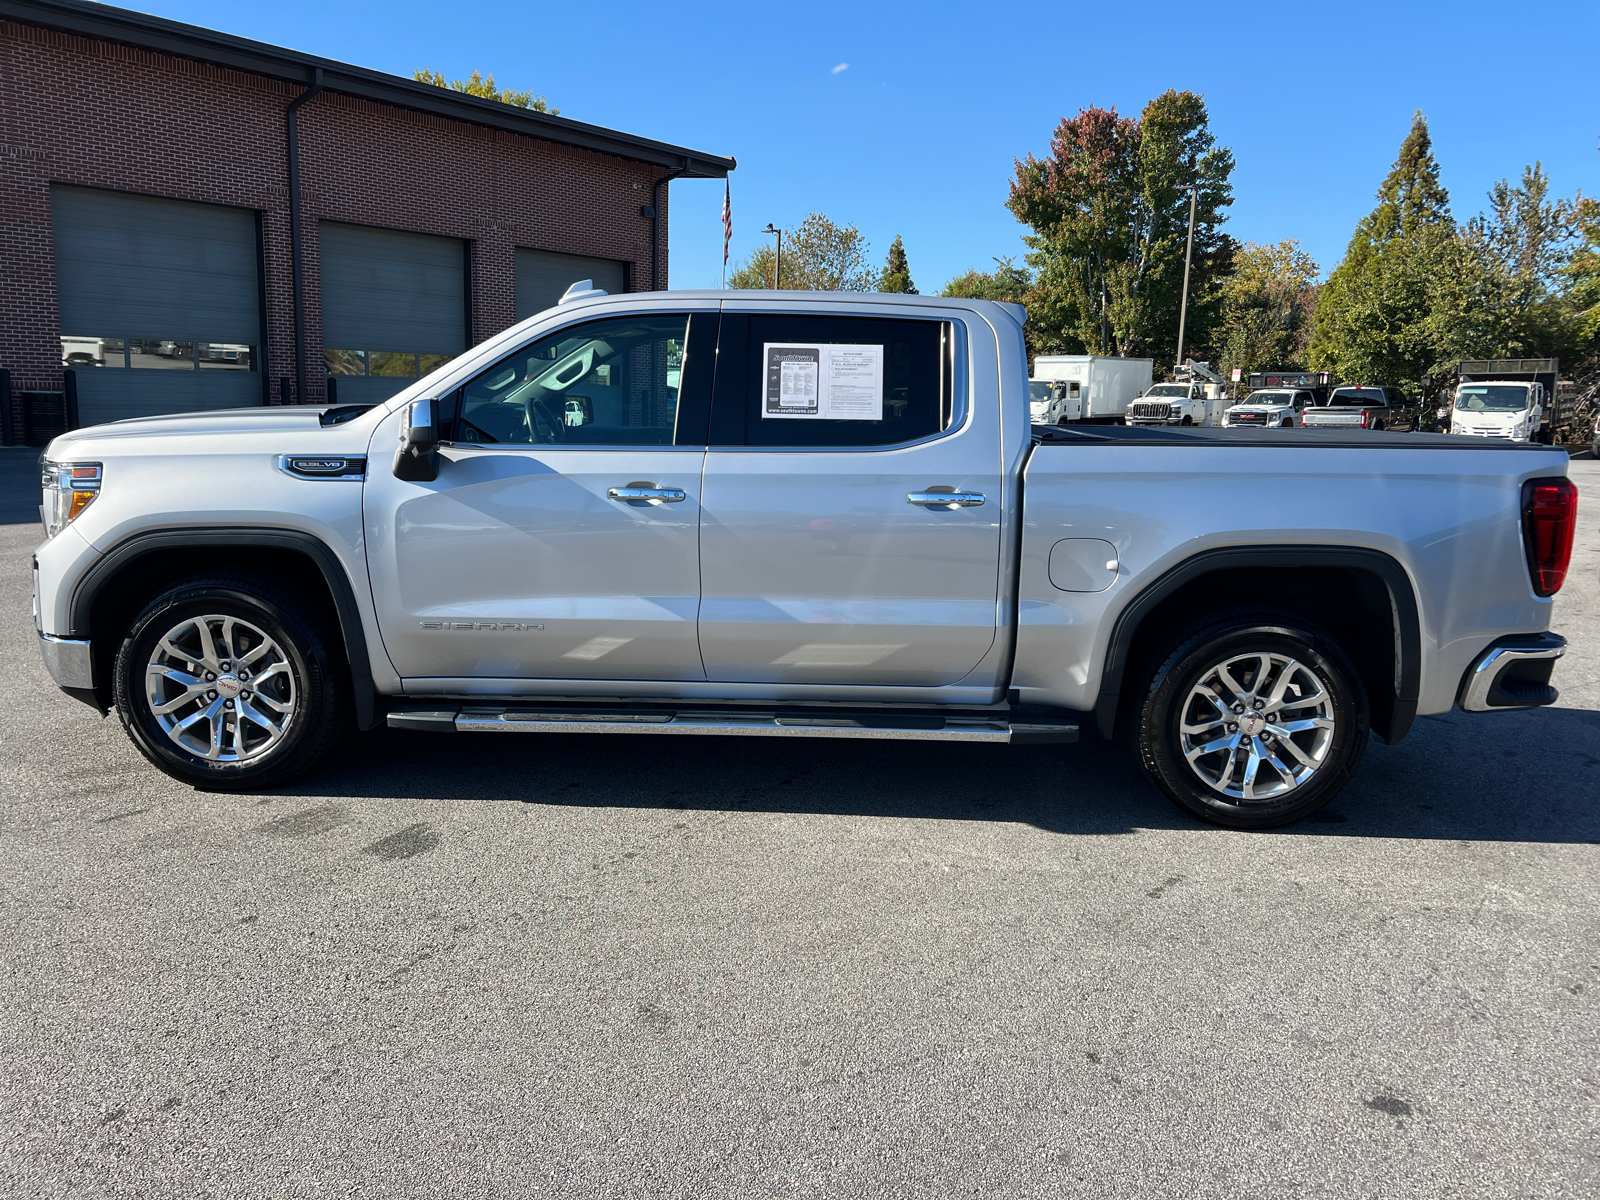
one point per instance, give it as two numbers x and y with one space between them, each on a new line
1188 253
777 258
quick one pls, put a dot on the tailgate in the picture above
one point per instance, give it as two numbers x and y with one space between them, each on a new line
1334 417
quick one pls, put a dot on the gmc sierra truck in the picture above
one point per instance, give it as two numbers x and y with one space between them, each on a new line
1362 408
790 515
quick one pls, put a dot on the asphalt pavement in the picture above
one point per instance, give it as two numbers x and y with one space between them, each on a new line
600 966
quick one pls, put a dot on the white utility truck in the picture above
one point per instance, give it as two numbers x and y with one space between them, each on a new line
1089 389
1506 398
1196 396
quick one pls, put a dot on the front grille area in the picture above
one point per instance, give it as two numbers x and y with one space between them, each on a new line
1149 410
1255 418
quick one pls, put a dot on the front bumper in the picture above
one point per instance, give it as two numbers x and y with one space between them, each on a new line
1513 673
69 661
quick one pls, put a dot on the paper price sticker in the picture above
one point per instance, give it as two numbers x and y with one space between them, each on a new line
830 382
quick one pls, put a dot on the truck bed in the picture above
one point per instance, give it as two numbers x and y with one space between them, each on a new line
1300 438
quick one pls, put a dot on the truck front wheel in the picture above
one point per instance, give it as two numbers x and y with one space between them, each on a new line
230 684
1252 719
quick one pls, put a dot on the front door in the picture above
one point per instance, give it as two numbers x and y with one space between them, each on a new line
560 540
827 555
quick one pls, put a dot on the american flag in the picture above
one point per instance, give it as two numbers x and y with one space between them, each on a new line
727 227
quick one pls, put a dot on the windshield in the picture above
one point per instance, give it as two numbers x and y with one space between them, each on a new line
1178 391
1346 397
1492 397
1264 397
1038 389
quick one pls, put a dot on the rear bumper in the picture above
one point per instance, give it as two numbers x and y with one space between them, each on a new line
1513 673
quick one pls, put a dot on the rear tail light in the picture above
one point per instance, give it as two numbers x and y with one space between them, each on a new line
1549 519
1364 415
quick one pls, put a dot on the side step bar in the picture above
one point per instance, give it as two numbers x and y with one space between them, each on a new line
992 729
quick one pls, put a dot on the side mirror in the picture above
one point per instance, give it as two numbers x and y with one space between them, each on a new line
417 460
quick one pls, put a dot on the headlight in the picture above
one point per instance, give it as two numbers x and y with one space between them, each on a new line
69 488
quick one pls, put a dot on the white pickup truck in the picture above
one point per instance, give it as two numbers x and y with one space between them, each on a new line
790 515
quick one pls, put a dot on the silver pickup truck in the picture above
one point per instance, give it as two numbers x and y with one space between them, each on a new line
790 515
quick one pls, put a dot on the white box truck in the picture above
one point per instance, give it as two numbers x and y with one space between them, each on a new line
1085 388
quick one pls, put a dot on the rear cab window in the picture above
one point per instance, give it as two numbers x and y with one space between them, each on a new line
1369 397
831 381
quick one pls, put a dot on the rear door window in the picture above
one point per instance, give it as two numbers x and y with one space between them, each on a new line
793 380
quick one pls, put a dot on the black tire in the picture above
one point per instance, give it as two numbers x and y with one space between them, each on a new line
306 643
1191 657
1188 421
1288 423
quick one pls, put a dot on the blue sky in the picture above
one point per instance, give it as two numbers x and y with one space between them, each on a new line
918 133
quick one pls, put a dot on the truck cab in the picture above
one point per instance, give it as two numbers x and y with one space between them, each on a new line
1271 408
1054 401
1171 404
1499 408
1361 407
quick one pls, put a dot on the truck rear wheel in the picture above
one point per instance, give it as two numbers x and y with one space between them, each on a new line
229 684
1252 719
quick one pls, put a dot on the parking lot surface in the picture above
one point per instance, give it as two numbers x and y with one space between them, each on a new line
644 966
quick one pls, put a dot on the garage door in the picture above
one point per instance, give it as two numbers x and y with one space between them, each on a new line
543 277
160 308
393 307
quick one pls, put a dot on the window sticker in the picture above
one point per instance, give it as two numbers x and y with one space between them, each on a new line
833 382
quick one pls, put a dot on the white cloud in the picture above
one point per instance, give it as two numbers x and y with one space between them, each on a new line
840 67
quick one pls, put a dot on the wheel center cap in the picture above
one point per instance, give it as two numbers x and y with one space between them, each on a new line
229 686
1251 723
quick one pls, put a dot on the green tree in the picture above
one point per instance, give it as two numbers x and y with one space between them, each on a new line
896 273
818 256
1519 250
1581 276
1407 279
1267 307
1006 282
485 87
1109 211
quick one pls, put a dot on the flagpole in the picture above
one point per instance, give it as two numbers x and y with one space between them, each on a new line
727 227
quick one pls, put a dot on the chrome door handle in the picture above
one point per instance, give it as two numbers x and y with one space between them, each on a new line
945 499
651 495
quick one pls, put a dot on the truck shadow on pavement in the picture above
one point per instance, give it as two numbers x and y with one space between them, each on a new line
1531 777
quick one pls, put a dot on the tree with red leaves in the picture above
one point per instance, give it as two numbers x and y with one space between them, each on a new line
1109 210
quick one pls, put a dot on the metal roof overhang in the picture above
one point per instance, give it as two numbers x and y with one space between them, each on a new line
207 45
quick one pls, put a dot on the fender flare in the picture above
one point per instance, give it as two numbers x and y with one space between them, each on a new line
138 545
1403 613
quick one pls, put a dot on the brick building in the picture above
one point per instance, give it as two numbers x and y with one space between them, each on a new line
147 220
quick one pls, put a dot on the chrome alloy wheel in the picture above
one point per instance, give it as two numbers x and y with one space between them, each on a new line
1257 726
220 688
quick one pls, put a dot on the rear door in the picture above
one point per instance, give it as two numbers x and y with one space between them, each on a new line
826 554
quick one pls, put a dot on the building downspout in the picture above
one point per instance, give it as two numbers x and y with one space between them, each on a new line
655 225
293 122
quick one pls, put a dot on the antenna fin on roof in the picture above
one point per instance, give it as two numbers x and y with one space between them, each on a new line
582 290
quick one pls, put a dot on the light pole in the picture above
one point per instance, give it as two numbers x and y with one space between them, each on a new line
777 258
1188 252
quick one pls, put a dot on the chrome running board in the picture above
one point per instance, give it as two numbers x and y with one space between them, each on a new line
744 723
